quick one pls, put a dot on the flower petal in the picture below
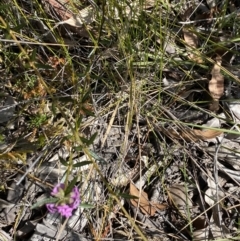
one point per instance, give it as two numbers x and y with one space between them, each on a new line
65 210
51 207
74 198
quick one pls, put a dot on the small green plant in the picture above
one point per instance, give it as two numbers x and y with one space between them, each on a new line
38 120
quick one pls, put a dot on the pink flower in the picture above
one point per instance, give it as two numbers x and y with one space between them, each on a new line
66 204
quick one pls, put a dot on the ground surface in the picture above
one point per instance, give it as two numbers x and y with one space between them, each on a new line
134 102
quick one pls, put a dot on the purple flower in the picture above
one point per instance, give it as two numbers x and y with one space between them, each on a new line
66 203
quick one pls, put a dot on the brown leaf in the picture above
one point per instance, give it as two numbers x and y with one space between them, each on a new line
144 204
179 198
59 7
192 135
216 84
191 40
206 134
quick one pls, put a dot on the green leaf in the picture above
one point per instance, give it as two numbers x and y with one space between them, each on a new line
71 185
83 163
44 201
64 162
65 99
92 138
96 157
43 66
86 96
90 141
84 140
127 196
86 205
33 55
78 123
77 148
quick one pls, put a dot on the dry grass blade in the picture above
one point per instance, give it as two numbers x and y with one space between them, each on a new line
110 125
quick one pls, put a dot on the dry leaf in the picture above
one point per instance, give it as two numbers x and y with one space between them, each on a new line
201 234
216 122
201 229
215 230
228 151
192 43
85 17
5 236
5 204
206 134
219 231
212 198
190 38
211 193
234 106
191 135
60 9
216 84
144 204
179 197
